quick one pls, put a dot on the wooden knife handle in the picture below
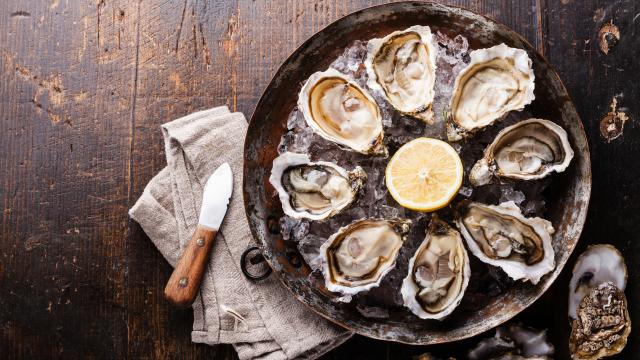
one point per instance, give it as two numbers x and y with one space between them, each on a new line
184 283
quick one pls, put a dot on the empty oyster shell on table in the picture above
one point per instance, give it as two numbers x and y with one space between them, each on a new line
339 110
514 342
501 236
314 190
402 68
602 325
596 265
359 255
496 81
527 150
438 273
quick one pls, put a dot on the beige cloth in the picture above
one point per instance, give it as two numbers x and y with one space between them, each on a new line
268 322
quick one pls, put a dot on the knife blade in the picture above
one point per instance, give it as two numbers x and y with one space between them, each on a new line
184 283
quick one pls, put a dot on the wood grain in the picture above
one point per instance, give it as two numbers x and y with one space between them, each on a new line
84 86
184 284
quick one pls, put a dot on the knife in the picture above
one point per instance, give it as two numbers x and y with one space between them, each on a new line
184 283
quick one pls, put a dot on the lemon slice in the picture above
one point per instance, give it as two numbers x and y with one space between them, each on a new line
424 174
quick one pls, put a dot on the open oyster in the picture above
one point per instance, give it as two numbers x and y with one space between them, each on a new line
497 80
602 324
514 342
359 255
438 273
528 150
501 236
598 264
339 110
402 67
314 190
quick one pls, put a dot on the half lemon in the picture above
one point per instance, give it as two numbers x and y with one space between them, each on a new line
424 174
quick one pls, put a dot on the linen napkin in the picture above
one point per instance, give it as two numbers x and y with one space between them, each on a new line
261 319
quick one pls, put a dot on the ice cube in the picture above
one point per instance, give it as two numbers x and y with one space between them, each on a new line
533 208
309 248
386 212
507 193
293 229
296 120
466 191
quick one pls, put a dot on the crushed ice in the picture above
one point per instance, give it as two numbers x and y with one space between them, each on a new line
374 200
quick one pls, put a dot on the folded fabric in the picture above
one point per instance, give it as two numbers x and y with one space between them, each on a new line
261 319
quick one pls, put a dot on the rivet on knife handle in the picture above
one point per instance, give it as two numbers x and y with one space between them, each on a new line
182 288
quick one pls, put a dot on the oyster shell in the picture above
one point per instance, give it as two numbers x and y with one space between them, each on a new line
501 236
598 264
514 342
359 255
497 80
314 190
402 67
528 150
438 273
602 325
339 110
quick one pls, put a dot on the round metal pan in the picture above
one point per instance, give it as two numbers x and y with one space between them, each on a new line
567 200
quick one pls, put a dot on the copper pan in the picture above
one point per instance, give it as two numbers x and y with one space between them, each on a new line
568 198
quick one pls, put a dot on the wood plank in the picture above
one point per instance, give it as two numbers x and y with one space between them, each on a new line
65 175
177 74
594 79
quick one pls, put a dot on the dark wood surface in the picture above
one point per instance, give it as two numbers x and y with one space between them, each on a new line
84 86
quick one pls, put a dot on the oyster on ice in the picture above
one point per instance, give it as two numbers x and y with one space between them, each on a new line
497 80
359 255
527 150
438 273
598 264
314 190
339 110
602 325
402 67
501 236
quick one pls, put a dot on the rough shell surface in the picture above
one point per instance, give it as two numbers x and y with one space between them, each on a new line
508 86
602 325
409 287
539 129
374 133
596 265
517 270
418 101
399 226
356 177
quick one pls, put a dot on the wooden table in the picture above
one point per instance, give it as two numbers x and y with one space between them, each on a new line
84 86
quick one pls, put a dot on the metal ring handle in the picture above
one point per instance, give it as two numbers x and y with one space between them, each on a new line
254 261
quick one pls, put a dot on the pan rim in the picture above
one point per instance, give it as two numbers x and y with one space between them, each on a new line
496 319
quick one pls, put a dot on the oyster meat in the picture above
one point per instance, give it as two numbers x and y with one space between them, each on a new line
497 80
314 190
514 342
602 325
438 273
598 264
501 236
339 110
402 67
528 150
359 255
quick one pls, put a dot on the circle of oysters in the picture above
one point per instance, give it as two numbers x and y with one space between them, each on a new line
401 68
